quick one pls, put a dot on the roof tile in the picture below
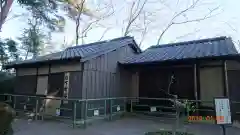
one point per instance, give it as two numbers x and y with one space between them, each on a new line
211 47
81 51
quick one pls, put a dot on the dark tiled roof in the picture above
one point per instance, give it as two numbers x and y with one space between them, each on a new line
204 48
83 52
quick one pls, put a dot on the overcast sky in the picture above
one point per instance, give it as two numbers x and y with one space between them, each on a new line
226 23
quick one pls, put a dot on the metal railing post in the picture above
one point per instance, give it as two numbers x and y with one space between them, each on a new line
105 108
85 114
74 113
131 106
124 105
177 117
110 109
36 109
14 102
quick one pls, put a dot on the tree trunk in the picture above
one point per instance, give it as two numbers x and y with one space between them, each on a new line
26 55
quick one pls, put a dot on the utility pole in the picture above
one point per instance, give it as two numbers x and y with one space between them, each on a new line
5 6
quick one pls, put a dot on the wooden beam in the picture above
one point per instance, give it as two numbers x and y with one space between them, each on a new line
195 81
196 85
210 66
225 79
49 74
36 81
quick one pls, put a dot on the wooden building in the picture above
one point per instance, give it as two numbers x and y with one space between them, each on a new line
203 69
80 72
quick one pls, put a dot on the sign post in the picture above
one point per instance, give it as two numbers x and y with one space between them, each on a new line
223 112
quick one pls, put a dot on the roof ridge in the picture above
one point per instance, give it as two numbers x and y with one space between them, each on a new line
189 42
101 42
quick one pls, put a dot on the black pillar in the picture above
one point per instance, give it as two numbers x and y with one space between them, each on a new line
196 86
195 81
225 79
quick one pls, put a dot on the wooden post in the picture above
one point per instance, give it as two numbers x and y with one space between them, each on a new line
195 81
225 79
196 77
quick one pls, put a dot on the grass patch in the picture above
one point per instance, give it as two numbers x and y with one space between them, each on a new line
167 133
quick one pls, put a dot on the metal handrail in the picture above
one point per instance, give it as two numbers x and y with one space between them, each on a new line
108 107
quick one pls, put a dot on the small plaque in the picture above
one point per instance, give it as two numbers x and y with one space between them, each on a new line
153 109
118 108
58 112
96 112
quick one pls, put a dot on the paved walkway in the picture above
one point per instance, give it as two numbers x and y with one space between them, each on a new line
124 126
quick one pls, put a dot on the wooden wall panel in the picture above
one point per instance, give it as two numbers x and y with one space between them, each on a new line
135 85
233 65
26 85
75 85
126 83
101 76
44 70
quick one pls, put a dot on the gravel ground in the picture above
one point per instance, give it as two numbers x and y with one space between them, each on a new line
124 126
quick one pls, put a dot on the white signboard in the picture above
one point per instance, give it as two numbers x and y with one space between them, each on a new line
96 112
58 112
66 86
223 113
153 109
118 108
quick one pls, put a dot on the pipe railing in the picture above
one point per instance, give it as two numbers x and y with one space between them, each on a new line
80 112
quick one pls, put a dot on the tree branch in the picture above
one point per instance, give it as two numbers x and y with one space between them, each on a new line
134 16
79 7
192 6
104 32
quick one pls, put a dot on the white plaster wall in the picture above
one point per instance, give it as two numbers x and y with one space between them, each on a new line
26 71
42 85
54 69
211 84
66 68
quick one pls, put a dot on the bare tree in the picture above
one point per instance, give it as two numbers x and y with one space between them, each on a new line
75 9
187 20
136 10
4 7
89 19
104 32
95 22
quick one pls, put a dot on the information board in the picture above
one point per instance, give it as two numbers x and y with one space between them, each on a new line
153 109
96 112
118 108
223 112
58 112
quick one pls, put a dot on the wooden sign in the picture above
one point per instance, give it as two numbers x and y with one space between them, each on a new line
66 86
